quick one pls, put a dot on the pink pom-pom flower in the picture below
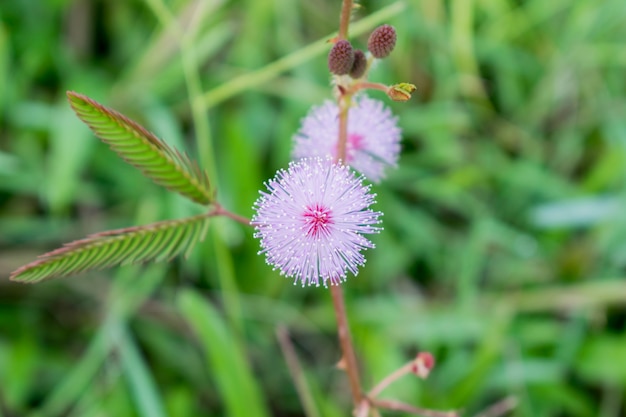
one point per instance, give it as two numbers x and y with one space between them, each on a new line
373 142
312 219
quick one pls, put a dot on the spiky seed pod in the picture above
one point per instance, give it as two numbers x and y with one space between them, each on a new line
359 65
341 57
382 41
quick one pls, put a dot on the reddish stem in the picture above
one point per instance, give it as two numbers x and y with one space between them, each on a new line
362 85
344 20
345 340
343 330
342 140
218 210
389 379
400 406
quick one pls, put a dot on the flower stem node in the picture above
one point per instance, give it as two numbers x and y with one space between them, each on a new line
382 41
341 57
401 91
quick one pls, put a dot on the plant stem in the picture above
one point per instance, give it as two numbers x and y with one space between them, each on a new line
344 22
500 408
407 408
343 329
368 85
218 210
345 340
342 140
389 379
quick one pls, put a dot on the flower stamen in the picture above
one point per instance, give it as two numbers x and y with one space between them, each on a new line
317 219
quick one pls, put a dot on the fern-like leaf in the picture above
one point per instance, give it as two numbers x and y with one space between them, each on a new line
153 242
142 149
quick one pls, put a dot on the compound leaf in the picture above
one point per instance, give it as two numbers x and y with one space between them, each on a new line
153 242
142 149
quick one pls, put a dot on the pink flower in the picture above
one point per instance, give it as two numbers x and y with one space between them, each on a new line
312 220
373 136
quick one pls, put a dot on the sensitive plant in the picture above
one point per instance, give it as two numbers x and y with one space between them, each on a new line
311 221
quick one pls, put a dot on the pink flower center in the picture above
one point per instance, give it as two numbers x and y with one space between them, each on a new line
317 219
353 144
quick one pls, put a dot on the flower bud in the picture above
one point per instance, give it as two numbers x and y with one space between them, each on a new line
401 91
359 65
341 57
382 41
422 365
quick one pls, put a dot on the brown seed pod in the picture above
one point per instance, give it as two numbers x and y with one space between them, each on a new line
382 41
359 65
341 57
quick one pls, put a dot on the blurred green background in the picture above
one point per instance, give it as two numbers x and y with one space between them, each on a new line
504 247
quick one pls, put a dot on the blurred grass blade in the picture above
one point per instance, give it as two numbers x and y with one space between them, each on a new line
140 381
72 385
297 372
270 71
225 357
142 149
156 241
70 148
70 390
5 53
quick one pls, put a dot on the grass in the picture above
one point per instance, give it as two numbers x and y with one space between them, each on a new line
503 250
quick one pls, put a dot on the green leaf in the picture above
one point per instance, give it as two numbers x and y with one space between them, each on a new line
142 149
156 241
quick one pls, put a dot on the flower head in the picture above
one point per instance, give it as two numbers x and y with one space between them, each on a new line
312 220
373 136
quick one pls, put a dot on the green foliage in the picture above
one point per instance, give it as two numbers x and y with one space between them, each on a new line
142 149
224 356
504 244
157 241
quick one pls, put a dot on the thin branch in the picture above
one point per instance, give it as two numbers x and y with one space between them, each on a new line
363 409
389 379
344 21
342 141
400 406
500 408
218 210
420 366
363 85
345 340
343 330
